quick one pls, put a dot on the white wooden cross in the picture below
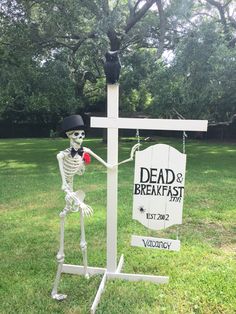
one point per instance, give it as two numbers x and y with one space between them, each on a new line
113 123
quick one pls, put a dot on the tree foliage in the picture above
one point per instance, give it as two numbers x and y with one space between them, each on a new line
177 56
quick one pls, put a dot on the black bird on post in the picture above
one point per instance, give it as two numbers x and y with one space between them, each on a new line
112 67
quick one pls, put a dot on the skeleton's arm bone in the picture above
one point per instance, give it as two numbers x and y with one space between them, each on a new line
134 148
60 158
87 150
124 161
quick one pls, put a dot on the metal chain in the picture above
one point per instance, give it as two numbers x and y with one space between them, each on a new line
184 138
138 137
184 144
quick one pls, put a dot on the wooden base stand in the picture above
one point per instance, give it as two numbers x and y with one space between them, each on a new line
79 270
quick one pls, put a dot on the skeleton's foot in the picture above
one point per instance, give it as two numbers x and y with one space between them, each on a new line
59 296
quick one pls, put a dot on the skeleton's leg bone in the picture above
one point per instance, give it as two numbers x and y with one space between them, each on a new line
83 245
60 259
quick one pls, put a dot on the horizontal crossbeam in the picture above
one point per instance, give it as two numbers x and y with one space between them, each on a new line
139 277
79 270
149 124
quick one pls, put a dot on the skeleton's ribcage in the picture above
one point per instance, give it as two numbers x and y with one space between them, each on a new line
73 166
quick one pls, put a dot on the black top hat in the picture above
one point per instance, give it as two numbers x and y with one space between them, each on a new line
73 122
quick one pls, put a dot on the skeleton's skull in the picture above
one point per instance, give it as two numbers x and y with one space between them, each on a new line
77 136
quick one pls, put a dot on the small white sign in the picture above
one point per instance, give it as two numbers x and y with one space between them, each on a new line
155 243
158 190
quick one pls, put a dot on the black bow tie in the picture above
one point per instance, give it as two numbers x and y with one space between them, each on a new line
73 152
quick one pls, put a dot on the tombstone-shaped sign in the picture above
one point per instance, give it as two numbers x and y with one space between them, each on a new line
158 191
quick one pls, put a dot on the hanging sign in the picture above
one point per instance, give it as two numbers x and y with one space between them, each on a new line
158 190
155 243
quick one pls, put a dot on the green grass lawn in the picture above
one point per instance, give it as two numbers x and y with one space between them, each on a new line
202 274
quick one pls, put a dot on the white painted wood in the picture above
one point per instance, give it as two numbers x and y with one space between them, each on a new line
155 243
120 265
138 277
150 124
79 270
159 186
112 177
99 293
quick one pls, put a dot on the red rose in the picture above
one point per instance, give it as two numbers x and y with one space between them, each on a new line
86 158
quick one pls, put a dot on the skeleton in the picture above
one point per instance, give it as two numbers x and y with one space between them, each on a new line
72 162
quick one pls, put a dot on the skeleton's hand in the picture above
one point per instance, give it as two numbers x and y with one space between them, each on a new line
86 210
72 197
77 204
133 150
87 150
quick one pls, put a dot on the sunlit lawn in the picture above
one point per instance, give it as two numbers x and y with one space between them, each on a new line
202 274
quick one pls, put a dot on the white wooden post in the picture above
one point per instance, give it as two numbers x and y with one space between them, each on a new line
112 177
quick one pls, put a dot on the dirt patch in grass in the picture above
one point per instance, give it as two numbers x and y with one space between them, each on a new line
229 248
217 234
